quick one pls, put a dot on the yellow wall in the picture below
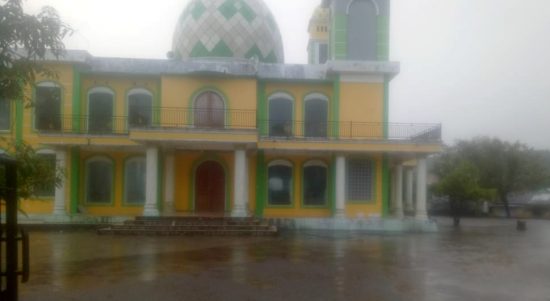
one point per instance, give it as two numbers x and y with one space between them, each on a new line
64 79
179 92
297 209
374 208
361 103
117 208
298 91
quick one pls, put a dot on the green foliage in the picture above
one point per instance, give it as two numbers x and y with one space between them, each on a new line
25 41
34 171
502 167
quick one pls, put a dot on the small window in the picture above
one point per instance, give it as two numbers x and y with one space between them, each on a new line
134 176
360 180
4 114
47 107
316 116
99 181
100 110
315 184
140 108
280 115
279 183
47 189
209 111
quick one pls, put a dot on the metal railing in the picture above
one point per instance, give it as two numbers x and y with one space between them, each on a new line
212 119
288 130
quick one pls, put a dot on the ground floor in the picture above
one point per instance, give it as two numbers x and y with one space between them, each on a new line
153 180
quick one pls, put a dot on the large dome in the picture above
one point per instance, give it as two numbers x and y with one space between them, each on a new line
228 28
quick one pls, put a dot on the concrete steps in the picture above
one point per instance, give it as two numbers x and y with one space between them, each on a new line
191 226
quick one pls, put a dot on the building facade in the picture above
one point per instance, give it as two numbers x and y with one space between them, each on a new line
224 127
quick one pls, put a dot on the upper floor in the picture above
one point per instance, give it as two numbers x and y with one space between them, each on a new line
108 101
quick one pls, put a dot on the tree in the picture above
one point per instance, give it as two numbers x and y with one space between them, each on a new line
459 181
503 166
25 41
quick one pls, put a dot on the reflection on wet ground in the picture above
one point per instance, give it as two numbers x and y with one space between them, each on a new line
485 260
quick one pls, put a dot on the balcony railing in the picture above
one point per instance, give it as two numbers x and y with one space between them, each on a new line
156 118
281 130
232 120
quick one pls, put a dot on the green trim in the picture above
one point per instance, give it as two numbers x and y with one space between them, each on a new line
292 118
261 181
113 169
335 110
332 185
383 38
386 108
19 121
385 186
261 108
329 109
61 103
217 90
292 204
228 180
75 179
125 202
327 191
339 46
77 103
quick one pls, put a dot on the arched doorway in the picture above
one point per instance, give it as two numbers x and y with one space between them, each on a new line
210 188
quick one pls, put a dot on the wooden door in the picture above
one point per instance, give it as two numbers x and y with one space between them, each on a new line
210 188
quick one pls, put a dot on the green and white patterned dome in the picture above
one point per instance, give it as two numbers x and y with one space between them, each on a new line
228 28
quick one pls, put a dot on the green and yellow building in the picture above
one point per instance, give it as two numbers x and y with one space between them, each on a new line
224 127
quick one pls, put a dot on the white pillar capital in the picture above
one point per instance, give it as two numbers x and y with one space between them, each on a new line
151 182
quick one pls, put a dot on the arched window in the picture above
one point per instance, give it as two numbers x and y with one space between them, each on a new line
47 107
5 120
134 180
279 175
315 183
316 116
209 111
363 30
140 108
280 115
99 180
360 180
100 110
49 161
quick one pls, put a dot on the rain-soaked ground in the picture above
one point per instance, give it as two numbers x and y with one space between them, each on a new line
485 260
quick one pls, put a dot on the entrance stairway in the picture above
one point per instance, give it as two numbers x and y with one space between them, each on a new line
191 226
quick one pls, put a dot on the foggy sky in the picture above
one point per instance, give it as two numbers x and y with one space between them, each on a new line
479 67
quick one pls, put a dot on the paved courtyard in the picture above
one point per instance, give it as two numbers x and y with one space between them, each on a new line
485 260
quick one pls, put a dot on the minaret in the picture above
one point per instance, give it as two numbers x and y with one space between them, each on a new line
359 29
318 46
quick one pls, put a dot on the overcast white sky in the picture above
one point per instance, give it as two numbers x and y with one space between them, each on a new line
479 67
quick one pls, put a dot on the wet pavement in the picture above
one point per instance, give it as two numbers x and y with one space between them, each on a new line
485 260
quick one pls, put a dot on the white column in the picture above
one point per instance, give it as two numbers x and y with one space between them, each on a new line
421 174
399 191
151 182
240 179
169 173
61 163
340 187
409 180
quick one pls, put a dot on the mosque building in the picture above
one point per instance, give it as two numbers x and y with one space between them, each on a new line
224 127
